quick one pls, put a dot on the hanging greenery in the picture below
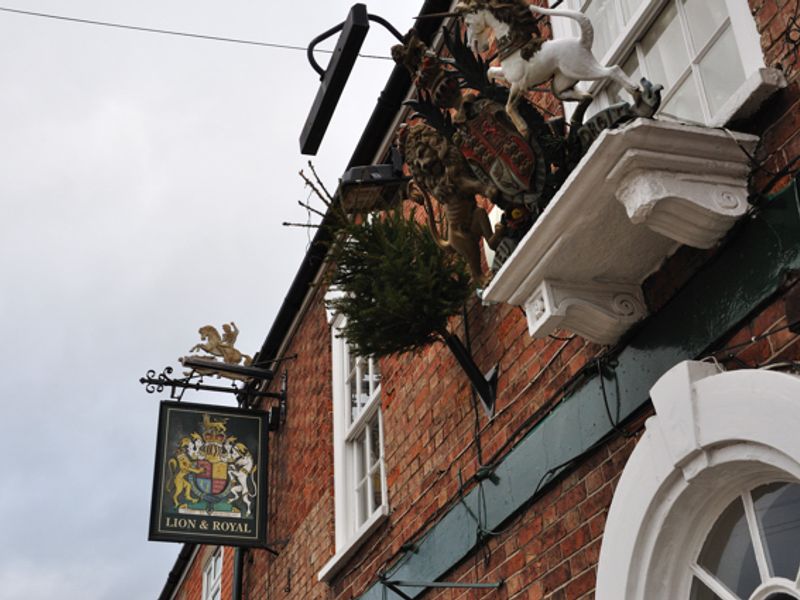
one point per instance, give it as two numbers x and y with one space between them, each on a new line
399 288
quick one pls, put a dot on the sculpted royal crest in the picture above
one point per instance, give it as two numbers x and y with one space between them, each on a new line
208 479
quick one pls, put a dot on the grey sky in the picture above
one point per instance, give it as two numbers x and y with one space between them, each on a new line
143 182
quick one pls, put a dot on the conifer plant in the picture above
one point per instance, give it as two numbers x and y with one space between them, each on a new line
398 287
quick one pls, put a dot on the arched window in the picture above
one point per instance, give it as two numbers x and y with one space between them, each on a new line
753 549
708 505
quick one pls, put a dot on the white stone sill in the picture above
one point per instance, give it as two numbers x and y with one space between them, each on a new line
638 193
344 554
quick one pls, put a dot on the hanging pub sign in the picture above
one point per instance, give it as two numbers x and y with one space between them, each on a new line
210 475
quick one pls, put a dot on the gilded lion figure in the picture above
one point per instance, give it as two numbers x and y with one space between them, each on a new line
439 170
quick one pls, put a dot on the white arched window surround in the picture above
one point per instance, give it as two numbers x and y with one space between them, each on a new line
714 435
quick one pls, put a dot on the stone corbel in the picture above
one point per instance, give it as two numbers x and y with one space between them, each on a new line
600 312
694 202
640 192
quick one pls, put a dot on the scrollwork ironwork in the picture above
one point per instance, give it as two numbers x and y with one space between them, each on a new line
155 383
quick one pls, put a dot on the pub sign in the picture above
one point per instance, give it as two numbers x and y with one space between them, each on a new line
209 484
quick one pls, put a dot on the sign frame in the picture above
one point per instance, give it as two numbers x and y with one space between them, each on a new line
181 463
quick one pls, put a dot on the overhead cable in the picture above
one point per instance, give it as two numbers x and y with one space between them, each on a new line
201 36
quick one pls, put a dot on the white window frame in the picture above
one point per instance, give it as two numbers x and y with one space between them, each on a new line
770 584
713 435
759 83
349 534
212 575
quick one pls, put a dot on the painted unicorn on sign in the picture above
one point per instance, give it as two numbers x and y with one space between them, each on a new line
527 60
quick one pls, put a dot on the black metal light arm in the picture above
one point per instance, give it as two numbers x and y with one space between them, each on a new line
336 29
388 26
321 37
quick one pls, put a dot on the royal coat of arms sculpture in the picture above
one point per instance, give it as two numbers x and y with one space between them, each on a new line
506 141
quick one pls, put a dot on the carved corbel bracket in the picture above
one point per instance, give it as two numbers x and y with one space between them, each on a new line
640 192
692 201
600 312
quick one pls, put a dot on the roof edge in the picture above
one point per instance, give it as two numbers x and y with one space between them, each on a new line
389 102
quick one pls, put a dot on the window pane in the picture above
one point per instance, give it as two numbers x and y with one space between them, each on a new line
728 552
629 7
685 102
361 492
377 490
361 501
778 509
374 441
704 18
364 382
376 374
664 49
361 457
603 14
352 391
701 592
631 67
722 71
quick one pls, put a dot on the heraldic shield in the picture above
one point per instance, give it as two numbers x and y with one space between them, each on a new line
210 476
498 153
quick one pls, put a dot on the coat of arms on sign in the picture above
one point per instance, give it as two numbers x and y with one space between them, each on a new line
208 480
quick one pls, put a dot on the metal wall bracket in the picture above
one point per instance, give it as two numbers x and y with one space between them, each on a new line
194 381
394 585
485 385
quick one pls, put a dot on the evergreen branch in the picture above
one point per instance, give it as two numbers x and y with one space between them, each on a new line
311 208
314 188
319 181
307 225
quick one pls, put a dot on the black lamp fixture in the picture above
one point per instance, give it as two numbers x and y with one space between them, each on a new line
334 77
368 188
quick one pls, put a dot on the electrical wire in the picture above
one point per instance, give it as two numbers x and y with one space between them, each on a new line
213 38
753 340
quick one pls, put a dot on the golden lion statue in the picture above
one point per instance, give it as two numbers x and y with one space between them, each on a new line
439 170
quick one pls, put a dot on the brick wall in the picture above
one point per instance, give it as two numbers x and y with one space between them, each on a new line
550 549
191 588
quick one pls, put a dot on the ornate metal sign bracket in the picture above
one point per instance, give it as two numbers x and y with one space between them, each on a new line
194 380
222 360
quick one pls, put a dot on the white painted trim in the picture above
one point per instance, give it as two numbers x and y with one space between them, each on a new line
349 537
346 552
206 594
639 192
713 435
760 82
775 586
745 101
756 537
339 430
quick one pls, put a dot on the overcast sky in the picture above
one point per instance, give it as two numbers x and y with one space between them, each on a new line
143 182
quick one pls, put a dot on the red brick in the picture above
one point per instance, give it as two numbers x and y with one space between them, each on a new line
556 577
581 584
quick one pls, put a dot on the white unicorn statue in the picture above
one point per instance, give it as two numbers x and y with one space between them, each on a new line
527 60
